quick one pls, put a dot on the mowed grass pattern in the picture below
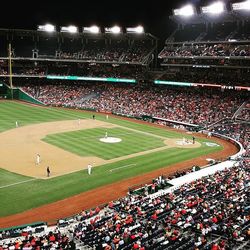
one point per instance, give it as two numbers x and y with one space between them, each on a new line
24 196
25 114
87 143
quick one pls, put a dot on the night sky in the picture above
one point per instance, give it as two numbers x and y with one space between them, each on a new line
153 15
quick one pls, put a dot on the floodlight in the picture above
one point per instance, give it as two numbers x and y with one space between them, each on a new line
114 30
241 6
187 10
70 29
47 28
214 8
93 29
139 29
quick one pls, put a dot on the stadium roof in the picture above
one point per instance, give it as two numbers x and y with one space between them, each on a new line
92 35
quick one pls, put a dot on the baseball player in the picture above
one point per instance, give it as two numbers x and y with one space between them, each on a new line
38 159
89 169
106 135
16 124
48 172
193 139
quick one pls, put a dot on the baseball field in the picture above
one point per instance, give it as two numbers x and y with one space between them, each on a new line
69 140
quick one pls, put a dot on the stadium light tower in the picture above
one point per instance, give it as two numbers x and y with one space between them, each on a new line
242 5
92 29
139 30
185 11
69 29
214 8
114 30
47 27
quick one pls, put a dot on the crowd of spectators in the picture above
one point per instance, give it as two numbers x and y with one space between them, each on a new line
78 69
33 71
224 77
53 240
213 50
129 54
184 105
244 113
240 131
237 128
207 62
209 213
221 31
133 52
60 95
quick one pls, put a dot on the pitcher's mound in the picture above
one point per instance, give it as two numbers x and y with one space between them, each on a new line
183 143
111 140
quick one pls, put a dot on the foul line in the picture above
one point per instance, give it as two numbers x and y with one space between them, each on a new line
114 169
17 183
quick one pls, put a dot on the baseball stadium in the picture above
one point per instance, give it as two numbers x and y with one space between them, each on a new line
111 139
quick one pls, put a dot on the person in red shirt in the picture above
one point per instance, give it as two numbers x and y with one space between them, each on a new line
154 216
136 245
52 238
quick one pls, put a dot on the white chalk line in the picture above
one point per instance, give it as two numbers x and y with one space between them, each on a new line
114 169
17 183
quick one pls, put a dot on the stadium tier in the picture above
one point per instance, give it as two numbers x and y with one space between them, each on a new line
212 49
105 48
177 104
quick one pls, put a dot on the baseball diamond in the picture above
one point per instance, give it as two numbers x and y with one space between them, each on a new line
63 145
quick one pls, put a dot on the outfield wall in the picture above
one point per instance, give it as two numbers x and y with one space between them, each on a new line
16 93
22 95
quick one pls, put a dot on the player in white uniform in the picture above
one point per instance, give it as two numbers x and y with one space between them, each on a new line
89 169
106 134
38 159
16 124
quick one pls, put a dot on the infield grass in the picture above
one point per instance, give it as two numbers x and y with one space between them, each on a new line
86 142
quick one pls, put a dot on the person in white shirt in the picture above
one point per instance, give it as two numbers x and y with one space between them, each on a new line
89 169
38 159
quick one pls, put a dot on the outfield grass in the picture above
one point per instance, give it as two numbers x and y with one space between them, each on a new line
10 112
86 142
23 196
